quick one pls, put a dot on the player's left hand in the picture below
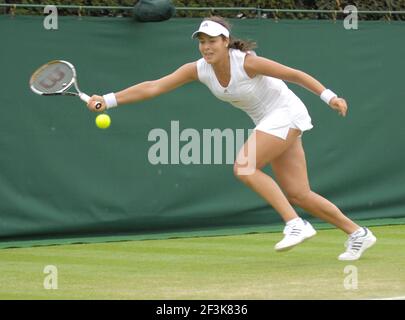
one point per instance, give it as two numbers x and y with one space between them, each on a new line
340 105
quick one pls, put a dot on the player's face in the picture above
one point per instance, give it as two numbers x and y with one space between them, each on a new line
213 49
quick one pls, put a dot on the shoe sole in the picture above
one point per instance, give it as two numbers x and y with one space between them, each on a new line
368 245
295 244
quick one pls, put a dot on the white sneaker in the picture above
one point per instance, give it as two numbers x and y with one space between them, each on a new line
357 243
295 234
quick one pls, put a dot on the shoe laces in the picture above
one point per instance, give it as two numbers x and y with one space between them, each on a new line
293 230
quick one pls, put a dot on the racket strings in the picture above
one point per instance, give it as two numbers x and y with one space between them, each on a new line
56 77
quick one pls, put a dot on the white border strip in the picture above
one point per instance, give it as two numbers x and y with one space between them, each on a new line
392 298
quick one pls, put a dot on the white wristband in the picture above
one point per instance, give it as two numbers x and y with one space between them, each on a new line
110 100
327 95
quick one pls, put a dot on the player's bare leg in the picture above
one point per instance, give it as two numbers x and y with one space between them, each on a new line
291 173
248 169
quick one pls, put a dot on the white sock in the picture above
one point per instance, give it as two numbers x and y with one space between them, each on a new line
294 221
358 232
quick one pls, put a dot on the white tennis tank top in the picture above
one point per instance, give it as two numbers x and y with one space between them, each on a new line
256 96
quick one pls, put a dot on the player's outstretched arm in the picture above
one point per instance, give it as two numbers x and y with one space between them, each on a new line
149 89
258 65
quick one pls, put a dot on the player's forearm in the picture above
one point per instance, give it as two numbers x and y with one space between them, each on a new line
138 92
308 82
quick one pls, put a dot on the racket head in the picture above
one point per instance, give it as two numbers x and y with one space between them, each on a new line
53 78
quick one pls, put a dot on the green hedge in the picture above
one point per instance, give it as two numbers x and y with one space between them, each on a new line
372 5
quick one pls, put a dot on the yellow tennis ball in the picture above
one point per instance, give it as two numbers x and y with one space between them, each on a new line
103 121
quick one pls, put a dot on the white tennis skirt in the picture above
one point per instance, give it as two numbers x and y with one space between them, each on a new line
290 113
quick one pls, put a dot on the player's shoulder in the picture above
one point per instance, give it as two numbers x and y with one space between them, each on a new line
252 63
189 69
244 56
189 65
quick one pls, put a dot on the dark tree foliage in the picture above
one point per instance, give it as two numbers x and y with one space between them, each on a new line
338 5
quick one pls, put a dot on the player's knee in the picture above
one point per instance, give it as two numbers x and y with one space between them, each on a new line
243 172
298 197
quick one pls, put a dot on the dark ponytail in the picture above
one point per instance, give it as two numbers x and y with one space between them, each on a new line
242 45
234 43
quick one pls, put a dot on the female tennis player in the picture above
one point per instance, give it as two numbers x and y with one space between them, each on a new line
234 73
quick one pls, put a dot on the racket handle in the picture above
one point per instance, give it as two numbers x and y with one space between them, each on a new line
86 99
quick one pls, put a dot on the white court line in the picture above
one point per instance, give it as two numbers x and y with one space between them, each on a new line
391 298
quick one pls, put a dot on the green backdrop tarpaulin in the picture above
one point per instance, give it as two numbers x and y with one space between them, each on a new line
61 176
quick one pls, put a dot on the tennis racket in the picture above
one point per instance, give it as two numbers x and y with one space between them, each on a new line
56 78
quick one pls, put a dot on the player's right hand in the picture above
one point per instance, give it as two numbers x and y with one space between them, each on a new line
93 101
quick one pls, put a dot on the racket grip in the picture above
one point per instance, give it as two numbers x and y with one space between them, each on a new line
86 99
